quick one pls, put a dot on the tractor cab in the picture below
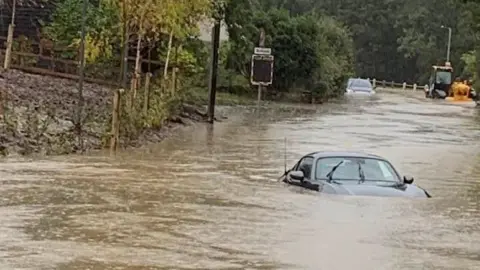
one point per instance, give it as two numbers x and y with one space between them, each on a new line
440 81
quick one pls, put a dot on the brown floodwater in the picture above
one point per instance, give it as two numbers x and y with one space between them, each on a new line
208 198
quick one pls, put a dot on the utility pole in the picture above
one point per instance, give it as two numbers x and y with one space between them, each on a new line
212 86
449 41
261 44
81 100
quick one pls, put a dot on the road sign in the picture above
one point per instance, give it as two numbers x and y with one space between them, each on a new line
262 51
262 69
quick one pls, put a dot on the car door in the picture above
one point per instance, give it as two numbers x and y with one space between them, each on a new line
306 165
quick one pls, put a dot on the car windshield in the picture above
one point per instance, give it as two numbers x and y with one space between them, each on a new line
352 168
360 83
443 77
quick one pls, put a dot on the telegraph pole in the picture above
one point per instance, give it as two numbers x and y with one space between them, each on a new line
212 86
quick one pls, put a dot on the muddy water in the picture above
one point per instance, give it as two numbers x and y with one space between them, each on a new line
208 199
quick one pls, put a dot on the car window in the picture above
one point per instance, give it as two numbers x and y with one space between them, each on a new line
443 77
305 165
361 83
349 83
373 169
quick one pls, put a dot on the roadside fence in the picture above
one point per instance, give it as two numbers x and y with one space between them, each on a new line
396 85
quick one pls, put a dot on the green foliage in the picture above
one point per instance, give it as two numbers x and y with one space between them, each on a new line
309 49
398 40
101 28
317 44
470 61
163 103
336 57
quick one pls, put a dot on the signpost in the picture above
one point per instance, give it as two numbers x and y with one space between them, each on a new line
261 73
262 70
262 51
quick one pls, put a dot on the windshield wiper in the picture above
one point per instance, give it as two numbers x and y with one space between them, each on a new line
330 174
361 173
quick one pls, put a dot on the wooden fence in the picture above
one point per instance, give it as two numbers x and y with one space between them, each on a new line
396 85
36 57
33 59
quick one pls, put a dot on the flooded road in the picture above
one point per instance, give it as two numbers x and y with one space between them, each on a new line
208 199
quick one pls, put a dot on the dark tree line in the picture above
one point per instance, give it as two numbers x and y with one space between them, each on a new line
392 40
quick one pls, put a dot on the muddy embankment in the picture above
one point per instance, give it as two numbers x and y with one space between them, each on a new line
37 116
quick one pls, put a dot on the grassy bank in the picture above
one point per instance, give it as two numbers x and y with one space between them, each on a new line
37 115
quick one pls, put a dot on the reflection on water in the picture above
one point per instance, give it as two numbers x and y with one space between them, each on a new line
208 197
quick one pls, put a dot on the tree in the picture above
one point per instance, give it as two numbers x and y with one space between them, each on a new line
304 56
471 20
101 29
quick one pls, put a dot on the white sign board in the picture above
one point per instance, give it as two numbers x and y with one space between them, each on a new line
263 51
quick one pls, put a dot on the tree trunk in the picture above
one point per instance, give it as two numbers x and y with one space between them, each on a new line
11 27
136 78
165 70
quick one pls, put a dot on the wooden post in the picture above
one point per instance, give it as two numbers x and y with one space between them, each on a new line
374 82
139 81
135 85
384 83
404 86
392 84
130 98
172 82
115 121
175 79
2 102
146 93
415 87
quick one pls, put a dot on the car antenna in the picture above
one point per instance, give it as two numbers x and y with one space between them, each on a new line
284 160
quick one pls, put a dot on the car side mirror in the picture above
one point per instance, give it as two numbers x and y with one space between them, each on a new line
297 175
408 179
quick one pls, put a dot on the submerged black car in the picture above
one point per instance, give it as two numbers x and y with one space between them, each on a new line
350 173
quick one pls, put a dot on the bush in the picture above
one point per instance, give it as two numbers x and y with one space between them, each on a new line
312 51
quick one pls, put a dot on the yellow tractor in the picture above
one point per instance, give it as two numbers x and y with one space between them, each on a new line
442 86
460 91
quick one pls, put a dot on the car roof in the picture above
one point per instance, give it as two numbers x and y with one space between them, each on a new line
358 79
323 154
